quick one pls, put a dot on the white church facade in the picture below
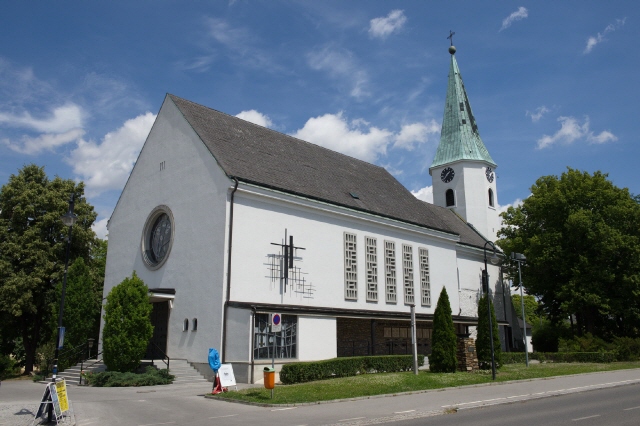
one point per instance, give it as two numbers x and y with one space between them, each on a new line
228 222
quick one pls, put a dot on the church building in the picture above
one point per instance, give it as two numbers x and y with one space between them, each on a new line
230 224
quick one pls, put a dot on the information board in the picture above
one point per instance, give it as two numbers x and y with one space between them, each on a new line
226 376
61 390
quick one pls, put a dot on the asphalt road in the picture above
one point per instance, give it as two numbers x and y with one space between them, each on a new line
618 406
185 405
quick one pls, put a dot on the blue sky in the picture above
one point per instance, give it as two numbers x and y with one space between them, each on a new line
552 83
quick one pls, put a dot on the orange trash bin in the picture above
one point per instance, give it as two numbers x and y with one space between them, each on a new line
269 378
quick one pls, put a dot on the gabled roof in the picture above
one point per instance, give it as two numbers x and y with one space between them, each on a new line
264 157
459 139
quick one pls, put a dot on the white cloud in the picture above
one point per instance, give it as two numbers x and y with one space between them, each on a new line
383 27
100 228
60 120
48 141
415 133
537 115
339 63
107 165
518 15
256 117
600 37
334 132
504 208
571 130
357 138
424 194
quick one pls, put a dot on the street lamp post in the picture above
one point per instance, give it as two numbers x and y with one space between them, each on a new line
485 288
520 258
69 219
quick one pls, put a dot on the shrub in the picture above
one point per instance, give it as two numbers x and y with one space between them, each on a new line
586 343
150 377
127 325
8 367
300 372
445 343
600 357
626 348
483 340
546 335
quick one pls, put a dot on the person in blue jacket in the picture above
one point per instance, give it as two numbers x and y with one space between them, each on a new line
214 363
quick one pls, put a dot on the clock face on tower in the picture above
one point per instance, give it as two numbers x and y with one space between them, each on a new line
489 174
447 175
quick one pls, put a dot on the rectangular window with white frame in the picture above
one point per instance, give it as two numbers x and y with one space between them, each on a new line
390 271
407 272
425 282
350 267
371 250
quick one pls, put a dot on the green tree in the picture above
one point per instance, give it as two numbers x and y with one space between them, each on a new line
483 339
444 342
581 236
98 257
81 305
530 307
32 251
127 325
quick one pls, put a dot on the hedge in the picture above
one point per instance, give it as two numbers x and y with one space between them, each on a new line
519 358
300 372
150 377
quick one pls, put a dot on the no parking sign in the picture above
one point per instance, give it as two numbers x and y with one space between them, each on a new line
276 323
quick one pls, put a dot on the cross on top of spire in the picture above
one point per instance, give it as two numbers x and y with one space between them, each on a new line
451 33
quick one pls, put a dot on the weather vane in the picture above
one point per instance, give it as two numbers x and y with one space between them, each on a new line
451 33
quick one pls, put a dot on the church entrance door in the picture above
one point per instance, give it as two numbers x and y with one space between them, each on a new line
157 347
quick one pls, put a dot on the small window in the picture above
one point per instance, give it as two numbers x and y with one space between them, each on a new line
194 324
450 199
490 197
185 325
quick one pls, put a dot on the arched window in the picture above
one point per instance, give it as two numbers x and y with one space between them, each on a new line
450 199
194 324
185 325
490 197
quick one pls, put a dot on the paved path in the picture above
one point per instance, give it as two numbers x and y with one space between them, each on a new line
184 404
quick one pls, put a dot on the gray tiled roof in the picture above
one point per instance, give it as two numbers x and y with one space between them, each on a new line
255 154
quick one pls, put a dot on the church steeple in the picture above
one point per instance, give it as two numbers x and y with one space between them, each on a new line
459 138
462 171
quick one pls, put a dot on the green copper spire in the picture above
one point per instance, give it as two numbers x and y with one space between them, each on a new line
459 138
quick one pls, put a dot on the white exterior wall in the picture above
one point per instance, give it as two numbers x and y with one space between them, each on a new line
471 189
260 221
195 264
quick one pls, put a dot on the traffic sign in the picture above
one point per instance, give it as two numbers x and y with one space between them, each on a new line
276 323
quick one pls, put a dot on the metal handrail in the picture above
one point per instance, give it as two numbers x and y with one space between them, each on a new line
162 352
75 351
88 366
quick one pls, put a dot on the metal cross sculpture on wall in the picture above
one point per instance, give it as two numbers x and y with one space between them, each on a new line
283 269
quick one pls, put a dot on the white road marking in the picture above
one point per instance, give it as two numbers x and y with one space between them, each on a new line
632 408
283 409
402 412
354 418
220 417
154 424
585 418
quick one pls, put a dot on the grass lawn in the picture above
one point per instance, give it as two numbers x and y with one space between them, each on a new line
390 383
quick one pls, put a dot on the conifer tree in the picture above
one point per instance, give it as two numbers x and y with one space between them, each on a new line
444 341
483 340
127 325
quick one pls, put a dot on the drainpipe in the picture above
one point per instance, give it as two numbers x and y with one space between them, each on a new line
226 303
253 329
